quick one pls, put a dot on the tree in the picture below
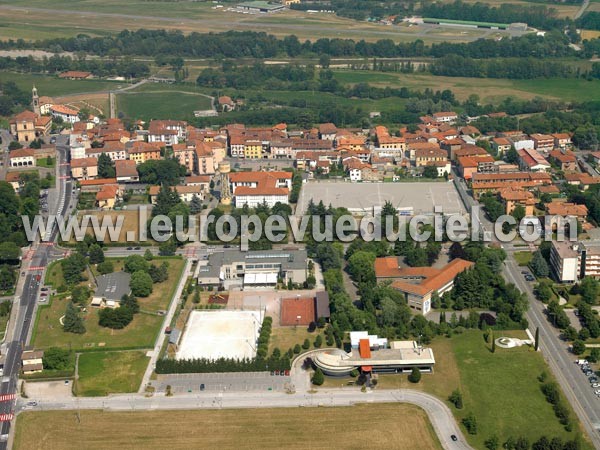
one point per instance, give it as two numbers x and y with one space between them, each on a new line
72 267
306 344
9 252
148 256
106 167
589 290
594 355
297 349
470 423
195 204
130 302
140 284
56 359
539 266
80 294
456 399
8 277
318 378
167 248
324 61
415 375
578 347
536 346
361 267
158 274
430 172
492 443
105 267
72 322
318 341
116 319
135 263
96 254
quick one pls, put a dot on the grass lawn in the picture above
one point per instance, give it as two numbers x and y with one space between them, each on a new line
46 162
54 86
503 392
389 426
131 221
104 373
54 275
166 105
523 258
287 337
140 333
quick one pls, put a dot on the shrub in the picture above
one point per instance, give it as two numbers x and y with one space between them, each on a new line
318 378
415 375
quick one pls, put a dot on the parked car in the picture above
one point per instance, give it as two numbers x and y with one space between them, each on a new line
454 438
202 387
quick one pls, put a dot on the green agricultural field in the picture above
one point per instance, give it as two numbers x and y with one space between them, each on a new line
489 89
140 333
54 87
105 373
162 105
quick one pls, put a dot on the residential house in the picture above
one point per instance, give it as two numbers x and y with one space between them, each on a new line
205 161
185 193
78 144
199 180
532 160
583 180
22 157
14 179
252 149
542 142
327 131
126 171
32 361
226 103
168 132
256 188
445 117
468 165
566 209
45 103
514 197
565 159
501 145
107 196
562 141
84 168
140 151
425 156
96 184
66 113
354 168
282 149
186 155
116 150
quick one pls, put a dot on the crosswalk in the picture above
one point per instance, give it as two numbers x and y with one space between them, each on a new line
7 397
34 268
29 254
6 417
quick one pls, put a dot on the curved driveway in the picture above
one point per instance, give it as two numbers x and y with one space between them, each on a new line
439 414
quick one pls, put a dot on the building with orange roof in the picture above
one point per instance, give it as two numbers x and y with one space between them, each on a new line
328 131
84 168
514 197
532 160
22 157
107 196
256 188
501 145
445 117
562 141
126 171
167 132
226 103
75 75
566 209
583 180
22 126
565 159
96 184
140 151
66 113
418 284
542 142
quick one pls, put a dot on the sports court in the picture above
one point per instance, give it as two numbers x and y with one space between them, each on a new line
297 311
409 198
220 334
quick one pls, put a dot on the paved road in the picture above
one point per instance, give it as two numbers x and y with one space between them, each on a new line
581 10
24 308
572 381
440 415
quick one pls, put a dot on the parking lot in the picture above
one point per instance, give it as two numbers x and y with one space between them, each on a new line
220 382
592 377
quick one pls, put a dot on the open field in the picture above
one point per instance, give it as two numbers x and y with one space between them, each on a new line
523 258
140 333
54 86
131 223
104 373
490 90
162 104
46 19
389 426
284 338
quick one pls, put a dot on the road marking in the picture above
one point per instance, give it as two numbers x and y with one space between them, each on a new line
7 397
6 417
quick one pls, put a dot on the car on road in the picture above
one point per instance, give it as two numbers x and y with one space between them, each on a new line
31 403
44 289
454 438
137 248
202 387
129 248
66 382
